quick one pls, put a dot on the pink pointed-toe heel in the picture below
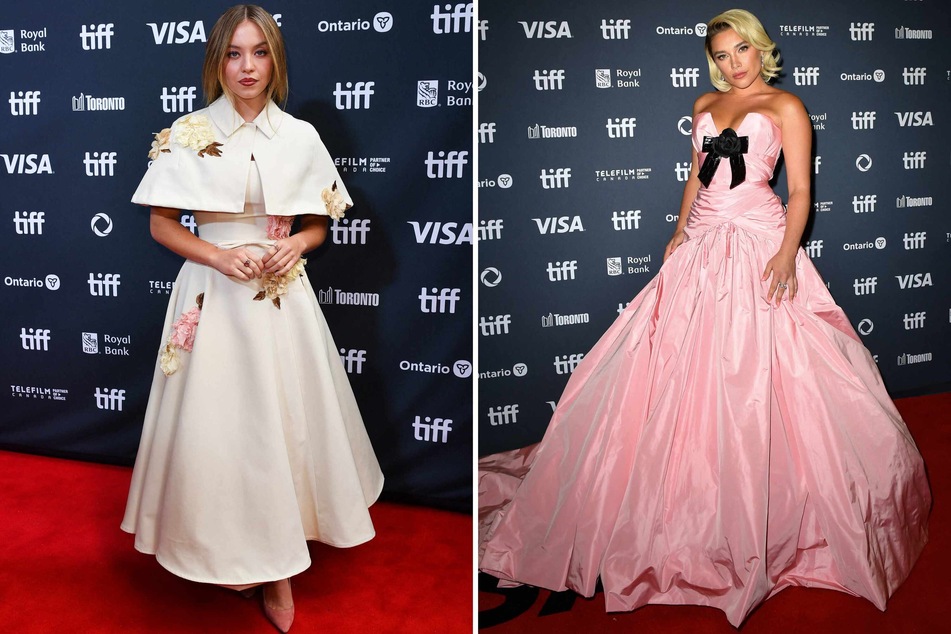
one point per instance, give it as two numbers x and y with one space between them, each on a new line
281 618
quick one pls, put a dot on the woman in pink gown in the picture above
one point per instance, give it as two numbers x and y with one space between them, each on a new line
729 435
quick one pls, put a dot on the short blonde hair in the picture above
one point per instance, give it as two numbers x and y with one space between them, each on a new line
212 74
748 27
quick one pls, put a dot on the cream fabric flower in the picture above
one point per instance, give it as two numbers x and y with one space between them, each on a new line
333 200
195 132
276 285
160 143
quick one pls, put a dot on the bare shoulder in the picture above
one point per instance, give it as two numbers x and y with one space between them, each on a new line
788 107
705 101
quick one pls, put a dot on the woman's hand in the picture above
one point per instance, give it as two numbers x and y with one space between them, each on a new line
240 263
782 267
675 242
283 255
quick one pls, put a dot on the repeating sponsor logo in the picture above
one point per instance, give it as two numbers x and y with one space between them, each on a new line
489 229
503 415
822 206
914 119
863 120
100 163
813 249
682 171
699 29
684 77
482 82
558 224
819 120
101 225
362 164
621 128
30 223
161 287
353 360
566 363
916 240
436 232
685 125
35 339
615 29
909 359
800 30
539 131
913 201
116 345
555 177
555 319
96 36
432 429
483 27
620 78
905 33
863 162
861 31
562 271
177 32
914 321
179 99
545 30
877 75
332 295
449 164
502 181
864 204
461 369
622 174
490 276
878 243
914 76
914 280
439 300
494 325
549 79
864 285
816 162
188 221
519 370
50 282
24 103
110 399
626 220
354 96
630 265
7 41
350 230
452 19
806 75
382 22
42 393
104 284
914 160
427 93
487 132
27 163
84 103
865 327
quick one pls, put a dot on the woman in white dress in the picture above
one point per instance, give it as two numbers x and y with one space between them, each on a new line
252 442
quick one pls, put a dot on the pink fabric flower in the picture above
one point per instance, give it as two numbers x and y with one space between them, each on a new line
183 330
279 227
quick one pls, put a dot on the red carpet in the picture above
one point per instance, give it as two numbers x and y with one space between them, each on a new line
921 605
66 567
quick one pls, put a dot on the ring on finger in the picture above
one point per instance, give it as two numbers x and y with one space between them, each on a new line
247 263
783 285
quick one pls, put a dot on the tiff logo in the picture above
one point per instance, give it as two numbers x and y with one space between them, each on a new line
914 240
104 285
621 128
624 220
813 249
549 79
612 29
682 170
486 133
353 360
24 103
489 230
430 430
30 223
816 162
684 77
35 338
914 321
562 271
483 27
503 414
110 399
497 325
355 96
806 75
178 99
455 19
97 36
188 221
914 160
443 167
350 231
861 32
555 178
440 300
863 120
100 164
865 285
864 204
566 363
913 76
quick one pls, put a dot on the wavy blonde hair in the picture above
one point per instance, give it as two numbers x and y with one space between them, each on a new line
748 27
212 74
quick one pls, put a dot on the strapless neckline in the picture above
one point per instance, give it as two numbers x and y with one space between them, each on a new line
737 128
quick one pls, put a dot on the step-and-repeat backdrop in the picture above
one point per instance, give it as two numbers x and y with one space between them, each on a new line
387 84
584 147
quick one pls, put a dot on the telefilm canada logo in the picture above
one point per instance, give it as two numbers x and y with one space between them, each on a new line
38 393
803 30
362 164
622 174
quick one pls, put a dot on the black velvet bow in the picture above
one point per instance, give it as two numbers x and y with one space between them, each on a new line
727 144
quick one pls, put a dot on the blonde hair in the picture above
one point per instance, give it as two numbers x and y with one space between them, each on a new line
212 74
748 27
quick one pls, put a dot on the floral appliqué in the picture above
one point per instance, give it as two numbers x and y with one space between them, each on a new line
278 228
195 132
182 337
333 200
160 143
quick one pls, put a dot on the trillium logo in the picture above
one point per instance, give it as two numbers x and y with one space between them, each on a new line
383 21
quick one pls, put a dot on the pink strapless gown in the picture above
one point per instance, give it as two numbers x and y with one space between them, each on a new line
713 449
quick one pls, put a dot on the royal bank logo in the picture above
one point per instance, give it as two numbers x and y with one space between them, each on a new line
803 30
489 229
184 32
494 325
84 103
615 29
432 429
178 99
353 360
90 342
546 30
27 163
350 231
110 399
37 339
330 296
631 265
452 18
96 36
819 120
503 415
427 93
7 41
24 103
353 95
114 345
437 232
619 78
29 223
914 119
382 22
905 33
861 31
806 75
101 225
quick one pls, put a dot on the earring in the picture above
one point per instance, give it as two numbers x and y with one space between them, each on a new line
722 78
